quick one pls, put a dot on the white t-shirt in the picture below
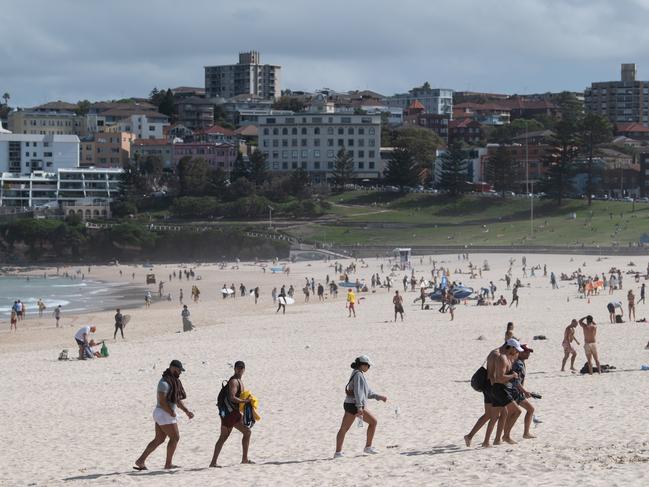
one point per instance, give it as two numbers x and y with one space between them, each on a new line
82 331
616 304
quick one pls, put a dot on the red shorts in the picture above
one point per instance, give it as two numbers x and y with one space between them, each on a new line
231 419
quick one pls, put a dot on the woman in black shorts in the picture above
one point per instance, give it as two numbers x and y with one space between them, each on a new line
357 392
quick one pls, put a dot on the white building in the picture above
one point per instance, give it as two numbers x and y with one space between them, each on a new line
311 140
248 77
64 187
435 100
26 153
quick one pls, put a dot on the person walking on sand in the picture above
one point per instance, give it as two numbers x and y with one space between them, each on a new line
631 301
13 322
170 396
181 296
590 342
520 394
642 289
41 307
281 301
57 314
514 296
351 302
397 300
187 323
568 349
228 402
357 393
119 324
498 401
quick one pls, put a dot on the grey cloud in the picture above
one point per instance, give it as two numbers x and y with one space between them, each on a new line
83 49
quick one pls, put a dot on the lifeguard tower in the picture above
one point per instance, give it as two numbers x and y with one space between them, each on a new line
403 256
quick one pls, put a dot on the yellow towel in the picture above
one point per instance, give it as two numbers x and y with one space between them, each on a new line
254 402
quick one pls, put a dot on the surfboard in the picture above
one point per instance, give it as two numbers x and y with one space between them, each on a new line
286 300
227 291
276 269
126 319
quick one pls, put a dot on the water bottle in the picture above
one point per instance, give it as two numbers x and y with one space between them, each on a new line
359 422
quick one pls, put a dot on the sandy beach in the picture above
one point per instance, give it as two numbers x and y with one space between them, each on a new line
84 423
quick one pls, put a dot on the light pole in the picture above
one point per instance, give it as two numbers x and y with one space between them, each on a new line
532 210
270 217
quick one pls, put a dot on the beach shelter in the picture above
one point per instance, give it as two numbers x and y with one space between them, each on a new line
403 254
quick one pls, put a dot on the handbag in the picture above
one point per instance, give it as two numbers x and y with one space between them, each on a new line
479 379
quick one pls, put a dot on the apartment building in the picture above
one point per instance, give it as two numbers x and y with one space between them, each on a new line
217 155
143 148
26 153
44 122
194 112
248 77
621 101
106 149
62 187
311 140
434 100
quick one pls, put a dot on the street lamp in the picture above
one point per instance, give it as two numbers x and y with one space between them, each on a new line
270 217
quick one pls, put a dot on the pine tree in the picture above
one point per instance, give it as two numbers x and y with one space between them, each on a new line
343 169
240 168
401 170
501 170
595 129
258 167
454 169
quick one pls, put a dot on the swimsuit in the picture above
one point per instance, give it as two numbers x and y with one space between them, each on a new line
590 348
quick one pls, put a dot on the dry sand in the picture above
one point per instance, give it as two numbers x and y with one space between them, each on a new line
84 423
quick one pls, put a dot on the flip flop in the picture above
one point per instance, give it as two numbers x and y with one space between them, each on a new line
139 469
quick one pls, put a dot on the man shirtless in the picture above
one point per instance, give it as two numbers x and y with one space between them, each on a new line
568 349
590 344
498 402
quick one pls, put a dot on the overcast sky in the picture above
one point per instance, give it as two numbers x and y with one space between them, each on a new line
76 49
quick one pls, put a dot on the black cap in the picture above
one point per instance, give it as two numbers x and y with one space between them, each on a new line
178 364
239 365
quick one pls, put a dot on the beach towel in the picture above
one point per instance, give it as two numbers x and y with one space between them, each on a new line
251 410
176 391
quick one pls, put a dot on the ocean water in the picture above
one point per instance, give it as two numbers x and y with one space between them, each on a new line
74 296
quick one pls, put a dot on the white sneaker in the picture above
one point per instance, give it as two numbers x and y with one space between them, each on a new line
370 450
339 454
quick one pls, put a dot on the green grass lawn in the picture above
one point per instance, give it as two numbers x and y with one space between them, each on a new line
426 219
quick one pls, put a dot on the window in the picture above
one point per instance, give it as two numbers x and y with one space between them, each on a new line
370 142
305 153
265 144
316 142
266 131
316 153
26 154
350 142
27 164
350 131
47 154
294 154
26 144
316 165
330 130
303 131
303 165
270 120
284 131
330 142
151 128
361 131
294 164
275 143
341 131
275 155
330 165
290 120
330 153
275 165
294 131
284 142
361 142
293 142
371 131
35 144
341 142
284 165
371 164
275 131
284 154
361 165
316 120
361 153
345 119
303 143
371 154
316 131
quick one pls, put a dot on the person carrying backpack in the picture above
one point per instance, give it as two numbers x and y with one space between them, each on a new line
228 403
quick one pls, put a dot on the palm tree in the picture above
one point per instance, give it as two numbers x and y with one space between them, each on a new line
6 98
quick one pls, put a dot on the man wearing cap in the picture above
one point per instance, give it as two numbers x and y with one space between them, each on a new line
82 337
228 404
170 395
520 394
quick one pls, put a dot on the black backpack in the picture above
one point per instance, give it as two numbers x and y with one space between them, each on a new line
220 399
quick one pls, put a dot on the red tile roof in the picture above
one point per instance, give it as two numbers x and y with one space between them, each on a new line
150 142
216 129
416 105
631 127
462 123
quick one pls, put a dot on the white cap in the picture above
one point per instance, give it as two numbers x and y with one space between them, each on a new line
364 359
512 342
